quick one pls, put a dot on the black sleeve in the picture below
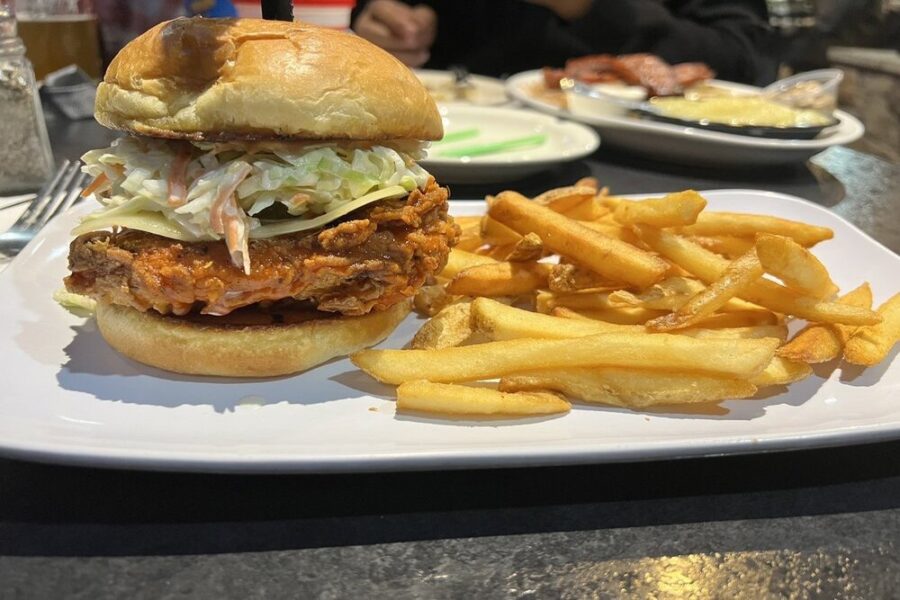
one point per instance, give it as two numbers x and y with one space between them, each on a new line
731 37
493 37
498 37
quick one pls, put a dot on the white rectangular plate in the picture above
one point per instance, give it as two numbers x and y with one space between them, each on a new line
67 397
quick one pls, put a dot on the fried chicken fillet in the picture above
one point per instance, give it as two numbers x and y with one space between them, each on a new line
371 260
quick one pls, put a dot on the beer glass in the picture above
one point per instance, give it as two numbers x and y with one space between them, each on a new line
59 33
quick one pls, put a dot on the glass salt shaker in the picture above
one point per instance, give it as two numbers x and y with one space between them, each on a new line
25 157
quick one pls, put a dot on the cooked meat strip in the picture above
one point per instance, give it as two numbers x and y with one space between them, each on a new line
552 77
650 71
374 258
597 68
688 74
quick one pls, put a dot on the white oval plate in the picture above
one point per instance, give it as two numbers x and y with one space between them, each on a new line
690 145
485 91
68 398
566 141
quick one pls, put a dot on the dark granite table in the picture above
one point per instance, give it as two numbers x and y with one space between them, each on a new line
811 524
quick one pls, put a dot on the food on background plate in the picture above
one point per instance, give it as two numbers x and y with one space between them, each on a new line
461 86
646 70
266 208
708 326
740 111
644 86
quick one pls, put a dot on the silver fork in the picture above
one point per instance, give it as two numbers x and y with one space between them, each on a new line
54 198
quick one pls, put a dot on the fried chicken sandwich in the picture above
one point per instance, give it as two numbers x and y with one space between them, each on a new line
264 212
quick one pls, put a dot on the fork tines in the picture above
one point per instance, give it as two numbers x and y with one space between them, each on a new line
58 195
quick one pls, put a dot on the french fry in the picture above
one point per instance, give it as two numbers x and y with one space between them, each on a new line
565 198
466 222
741 359
782 300
459 260
794 265
500 279
672 210
669 294
779 332
567 313
819 342
871 345
585 299
497 234
450 327
630 388
782 371
674 270
567 278
728 245
498 253
500 322
611 202
543 302
448 399
739 318
614 230
715 323
607 256
590 182
748 225
497 321
709 266
529 248
736 278
470 236
469 242
739 304
588 210
620 315
430 299
662 299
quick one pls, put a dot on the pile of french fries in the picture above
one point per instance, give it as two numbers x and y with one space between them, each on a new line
579 295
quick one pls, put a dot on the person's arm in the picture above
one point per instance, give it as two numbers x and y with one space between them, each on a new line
731 37
406 31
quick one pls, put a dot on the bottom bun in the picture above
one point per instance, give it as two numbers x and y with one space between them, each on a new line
246 344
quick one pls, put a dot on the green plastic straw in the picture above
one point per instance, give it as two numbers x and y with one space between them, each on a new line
496 147
458 136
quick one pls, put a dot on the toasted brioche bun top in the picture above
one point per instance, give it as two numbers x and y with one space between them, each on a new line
249 79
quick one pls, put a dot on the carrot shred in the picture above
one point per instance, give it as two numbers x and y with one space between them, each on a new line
226 217
177 182
95 185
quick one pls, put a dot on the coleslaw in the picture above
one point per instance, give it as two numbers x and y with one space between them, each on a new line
193 191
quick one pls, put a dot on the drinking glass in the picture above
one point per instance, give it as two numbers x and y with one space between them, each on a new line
59 33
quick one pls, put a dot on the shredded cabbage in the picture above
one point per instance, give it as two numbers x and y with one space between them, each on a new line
307 185
71 301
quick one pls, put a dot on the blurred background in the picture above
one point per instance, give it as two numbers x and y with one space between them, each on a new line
862 37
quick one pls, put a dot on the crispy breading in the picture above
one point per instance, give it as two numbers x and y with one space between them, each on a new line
374 258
